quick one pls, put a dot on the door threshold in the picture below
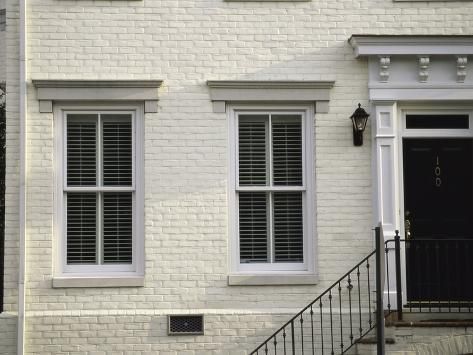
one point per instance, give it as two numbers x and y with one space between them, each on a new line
431 323
434 319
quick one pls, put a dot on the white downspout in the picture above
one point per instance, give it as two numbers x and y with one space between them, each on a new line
22 187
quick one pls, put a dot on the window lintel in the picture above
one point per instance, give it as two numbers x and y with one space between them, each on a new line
247 91
97 90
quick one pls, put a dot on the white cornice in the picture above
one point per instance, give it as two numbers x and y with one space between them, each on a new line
97 83
49 91
222 92
383 45
281 84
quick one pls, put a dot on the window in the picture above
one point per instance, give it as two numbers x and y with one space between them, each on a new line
435 121
3 19
100 195
272 174
95 199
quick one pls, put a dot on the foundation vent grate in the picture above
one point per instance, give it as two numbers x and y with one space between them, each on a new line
185 324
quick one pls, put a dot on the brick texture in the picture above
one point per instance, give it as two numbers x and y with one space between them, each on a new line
185 43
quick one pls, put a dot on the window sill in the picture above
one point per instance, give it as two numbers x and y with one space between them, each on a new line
269 0
62 282
261 280
430 0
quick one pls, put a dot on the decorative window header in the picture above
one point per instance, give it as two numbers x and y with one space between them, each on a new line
223 92
97 90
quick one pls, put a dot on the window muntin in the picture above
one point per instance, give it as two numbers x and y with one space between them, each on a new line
99 194
270 191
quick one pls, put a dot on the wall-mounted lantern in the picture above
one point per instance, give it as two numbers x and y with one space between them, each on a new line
359 119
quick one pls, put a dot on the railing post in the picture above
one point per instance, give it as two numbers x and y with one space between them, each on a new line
379 292
397 246
293 338
2 263
2 268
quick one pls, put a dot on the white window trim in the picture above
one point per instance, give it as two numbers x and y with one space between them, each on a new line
50 91
432 133
62 271
256 274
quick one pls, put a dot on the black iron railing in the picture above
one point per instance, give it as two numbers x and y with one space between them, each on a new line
339 317
437 275
438 279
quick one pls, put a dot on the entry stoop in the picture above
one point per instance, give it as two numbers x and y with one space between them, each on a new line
423 337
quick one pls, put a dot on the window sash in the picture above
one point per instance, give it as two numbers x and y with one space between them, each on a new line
99 151
101 190
269 118
261 233
270 188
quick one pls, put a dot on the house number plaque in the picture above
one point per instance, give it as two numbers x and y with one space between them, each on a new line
438 172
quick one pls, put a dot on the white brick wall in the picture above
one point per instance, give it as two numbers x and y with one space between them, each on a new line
144 334
186 43
8 332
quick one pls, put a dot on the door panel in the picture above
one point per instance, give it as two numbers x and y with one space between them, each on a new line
438 202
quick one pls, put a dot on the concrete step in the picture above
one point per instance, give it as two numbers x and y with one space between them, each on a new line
367 349
367 346
424 340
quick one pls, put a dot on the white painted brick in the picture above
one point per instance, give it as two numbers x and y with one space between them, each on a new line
186 43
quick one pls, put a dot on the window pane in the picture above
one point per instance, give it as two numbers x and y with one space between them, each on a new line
287 150
117 150
252 150
117 227
288 227
3 19
81 228
81 150
253 223
437 121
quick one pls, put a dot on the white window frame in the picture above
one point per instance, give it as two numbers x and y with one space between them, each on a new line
437 132
307 267
136 268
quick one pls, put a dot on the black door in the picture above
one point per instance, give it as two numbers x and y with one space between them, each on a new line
438 203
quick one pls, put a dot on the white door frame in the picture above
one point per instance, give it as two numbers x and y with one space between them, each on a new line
405 71
388 134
